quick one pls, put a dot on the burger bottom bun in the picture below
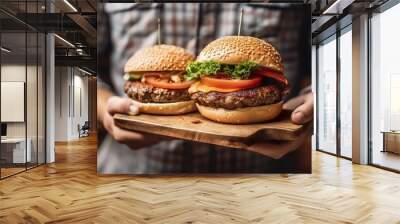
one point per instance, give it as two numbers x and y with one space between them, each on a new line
176 108
247 115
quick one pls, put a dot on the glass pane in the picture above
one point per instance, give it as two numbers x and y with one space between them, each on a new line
32 87
31 98
41 99
13 86
22 81
327 96
345 94
385 84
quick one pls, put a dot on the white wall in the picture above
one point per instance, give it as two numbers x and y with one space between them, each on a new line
33 126
80 101
12 73
15 72
71 94
61 104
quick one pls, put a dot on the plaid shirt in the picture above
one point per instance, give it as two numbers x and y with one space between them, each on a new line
192 26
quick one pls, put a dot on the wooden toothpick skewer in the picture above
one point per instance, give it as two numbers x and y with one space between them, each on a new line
240 21
158 31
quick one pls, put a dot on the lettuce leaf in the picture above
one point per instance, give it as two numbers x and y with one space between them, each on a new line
243 70
196 70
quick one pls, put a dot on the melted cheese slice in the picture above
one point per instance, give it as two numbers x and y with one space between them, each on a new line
200 87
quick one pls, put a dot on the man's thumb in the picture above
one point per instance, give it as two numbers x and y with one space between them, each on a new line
121 105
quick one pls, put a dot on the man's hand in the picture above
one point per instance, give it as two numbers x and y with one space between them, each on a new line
302 107
110 105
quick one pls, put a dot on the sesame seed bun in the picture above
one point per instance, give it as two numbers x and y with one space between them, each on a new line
159 58
176 108
238 49
247 115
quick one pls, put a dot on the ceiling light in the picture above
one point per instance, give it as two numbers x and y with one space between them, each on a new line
70 5
84 71
80 51
337 7
5 50
65 41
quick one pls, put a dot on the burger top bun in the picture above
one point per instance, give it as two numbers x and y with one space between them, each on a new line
237 49
159 58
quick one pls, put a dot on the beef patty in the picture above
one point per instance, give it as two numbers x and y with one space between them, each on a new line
145 93
263 95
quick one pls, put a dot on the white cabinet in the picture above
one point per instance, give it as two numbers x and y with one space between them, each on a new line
15 148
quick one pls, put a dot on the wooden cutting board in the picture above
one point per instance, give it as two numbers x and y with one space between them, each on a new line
194 127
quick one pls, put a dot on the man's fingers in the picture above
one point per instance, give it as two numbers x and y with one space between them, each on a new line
124 136
118 105
293 103
136 140
303 113
121 105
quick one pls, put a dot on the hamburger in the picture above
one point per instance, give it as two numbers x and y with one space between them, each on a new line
239 80
155 80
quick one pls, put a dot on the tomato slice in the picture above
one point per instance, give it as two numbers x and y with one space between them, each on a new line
272 74
156 80
232 83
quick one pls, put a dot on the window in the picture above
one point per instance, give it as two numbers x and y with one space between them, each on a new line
385 89
326 87
330 132
346 92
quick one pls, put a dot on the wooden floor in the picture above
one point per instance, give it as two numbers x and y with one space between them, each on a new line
387 159
5 172
70 191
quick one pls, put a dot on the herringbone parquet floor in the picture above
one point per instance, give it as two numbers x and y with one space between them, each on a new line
70 191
